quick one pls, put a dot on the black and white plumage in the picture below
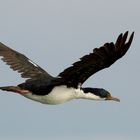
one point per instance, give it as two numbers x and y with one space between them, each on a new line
42 87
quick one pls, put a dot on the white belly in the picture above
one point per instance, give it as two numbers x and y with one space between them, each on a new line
58 95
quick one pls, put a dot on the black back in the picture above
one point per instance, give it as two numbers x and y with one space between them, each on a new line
42 86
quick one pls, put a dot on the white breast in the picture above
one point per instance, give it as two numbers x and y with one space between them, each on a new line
58 95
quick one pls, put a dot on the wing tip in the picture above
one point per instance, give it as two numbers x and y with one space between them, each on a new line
131 37
126 45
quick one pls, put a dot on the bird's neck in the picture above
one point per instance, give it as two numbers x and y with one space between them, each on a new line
80 94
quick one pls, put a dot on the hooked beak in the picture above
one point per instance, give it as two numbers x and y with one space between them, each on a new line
113 98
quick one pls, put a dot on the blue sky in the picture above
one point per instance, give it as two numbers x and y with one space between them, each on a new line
54 34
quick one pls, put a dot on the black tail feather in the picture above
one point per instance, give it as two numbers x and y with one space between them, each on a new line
10 88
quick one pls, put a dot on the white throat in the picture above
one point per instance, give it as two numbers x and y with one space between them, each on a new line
89 95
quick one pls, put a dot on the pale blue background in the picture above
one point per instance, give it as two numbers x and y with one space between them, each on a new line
54 34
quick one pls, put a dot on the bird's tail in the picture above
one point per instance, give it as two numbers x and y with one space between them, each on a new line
15 89
10 88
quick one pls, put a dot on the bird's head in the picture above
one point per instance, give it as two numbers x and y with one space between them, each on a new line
99 94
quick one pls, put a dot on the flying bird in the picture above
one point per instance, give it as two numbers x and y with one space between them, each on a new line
40 86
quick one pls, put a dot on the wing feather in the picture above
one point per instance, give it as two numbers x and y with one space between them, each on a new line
19 62
99 59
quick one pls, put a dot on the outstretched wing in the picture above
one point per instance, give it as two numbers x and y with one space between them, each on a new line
19 62
99 59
